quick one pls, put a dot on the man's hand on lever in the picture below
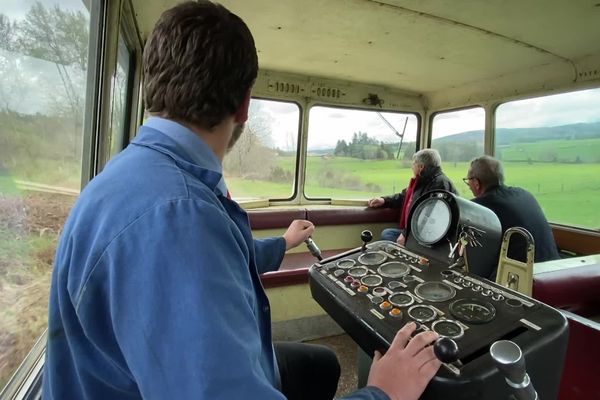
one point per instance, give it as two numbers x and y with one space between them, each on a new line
298 231
408 365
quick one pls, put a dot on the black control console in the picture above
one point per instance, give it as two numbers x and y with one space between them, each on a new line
374 290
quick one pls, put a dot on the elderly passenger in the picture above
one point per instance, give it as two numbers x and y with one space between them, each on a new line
427 175
514 206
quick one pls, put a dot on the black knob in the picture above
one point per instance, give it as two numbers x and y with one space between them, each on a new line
446 350
366 236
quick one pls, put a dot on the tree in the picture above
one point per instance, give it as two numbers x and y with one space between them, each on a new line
341 148
61 37
252 156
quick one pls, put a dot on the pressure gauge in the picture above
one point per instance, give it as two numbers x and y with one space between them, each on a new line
430 221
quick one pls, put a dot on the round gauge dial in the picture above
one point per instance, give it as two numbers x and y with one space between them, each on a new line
435 291
372 258
394 269
430 221
473 311
401 299
358 272
448 328
347 263
422 313
371 280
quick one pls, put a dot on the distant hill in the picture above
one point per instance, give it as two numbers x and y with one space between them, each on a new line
505 136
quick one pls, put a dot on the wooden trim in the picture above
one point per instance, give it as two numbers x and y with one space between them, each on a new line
578 241
284 278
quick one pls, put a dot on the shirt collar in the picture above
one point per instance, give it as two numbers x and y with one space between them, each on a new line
196 148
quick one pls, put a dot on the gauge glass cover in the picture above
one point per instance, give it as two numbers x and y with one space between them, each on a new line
422 313
394 269
372 258
448 328
435 291
430 221
401 299
473 311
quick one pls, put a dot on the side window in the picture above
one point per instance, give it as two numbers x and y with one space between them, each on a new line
121 94
43 65
459 137
358 154
262 163
551 147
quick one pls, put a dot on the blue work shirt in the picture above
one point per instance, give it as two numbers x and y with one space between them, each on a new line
155 290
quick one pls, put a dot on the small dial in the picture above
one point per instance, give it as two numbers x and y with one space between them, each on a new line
394 269
435 291
473 311
448 328
358 272
401 299
346 263
372 258
422 313
371 280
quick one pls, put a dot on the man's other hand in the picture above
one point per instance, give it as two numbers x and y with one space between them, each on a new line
298 231
407 367
376 202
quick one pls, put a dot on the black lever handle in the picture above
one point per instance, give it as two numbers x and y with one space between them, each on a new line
366 236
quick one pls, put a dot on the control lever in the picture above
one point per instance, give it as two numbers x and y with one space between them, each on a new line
446 350
312 247
366 236
510 361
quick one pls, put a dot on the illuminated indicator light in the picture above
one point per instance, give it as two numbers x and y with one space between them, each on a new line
363 289
348 279
423 261
386 305
355 284
395 312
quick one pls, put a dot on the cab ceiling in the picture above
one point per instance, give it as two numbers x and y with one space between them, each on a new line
421 47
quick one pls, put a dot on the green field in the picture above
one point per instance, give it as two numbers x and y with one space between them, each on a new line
568 193
564 151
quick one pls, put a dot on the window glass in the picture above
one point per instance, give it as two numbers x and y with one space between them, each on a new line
358 154
119 118
262 163
459 137
551 147
43 63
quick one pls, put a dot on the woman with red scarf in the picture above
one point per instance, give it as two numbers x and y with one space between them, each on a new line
427 175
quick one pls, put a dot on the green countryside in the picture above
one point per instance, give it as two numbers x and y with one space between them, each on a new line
567 191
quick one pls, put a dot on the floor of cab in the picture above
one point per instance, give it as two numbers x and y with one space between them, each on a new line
345 348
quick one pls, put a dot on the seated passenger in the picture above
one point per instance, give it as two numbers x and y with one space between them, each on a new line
514 206
428 175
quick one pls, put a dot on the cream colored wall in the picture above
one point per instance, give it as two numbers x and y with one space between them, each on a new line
292 302
330 237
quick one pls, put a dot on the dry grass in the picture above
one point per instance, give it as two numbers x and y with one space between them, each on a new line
29 229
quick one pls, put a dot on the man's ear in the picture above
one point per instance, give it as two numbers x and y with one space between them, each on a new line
241 114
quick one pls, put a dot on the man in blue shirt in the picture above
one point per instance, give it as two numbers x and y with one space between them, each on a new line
156 291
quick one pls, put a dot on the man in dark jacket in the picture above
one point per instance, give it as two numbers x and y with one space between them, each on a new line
514 206
428 176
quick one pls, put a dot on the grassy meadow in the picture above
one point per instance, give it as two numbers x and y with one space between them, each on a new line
568 193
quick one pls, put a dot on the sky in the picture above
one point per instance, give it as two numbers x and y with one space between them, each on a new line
327 125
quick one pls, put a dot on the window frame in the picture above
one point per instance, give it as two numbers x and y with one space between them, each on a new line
346 107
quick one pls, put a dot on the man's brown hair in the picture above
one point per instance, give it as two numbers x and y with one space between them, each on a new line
199 63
